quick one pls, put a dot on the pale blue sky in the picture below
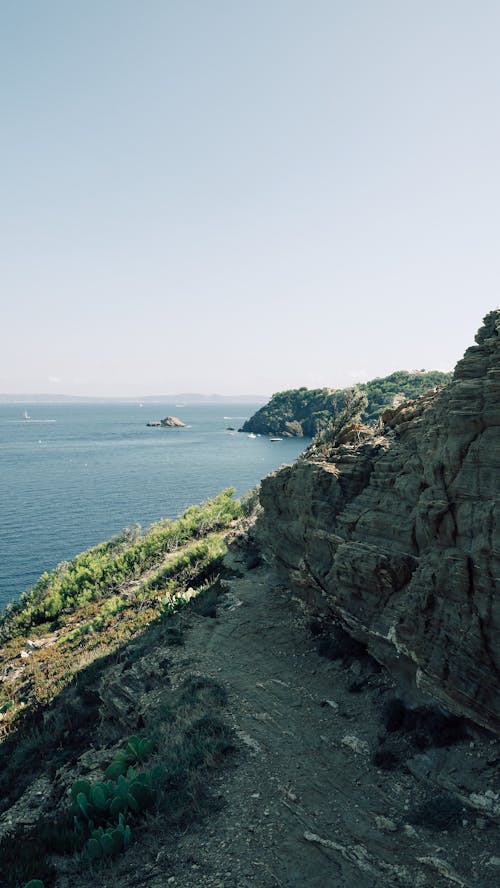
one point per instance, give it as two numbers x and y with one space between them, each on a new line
244 196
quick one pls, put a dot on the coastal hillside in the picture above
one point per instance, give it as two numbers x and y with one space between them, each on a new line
306 412
247 733
301 688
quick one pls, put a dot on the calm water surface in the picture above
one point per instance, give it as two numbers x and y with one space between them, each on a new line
67 485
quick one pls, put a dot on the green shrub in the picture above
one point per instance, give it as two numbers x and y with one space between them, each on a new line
188 738
108 842
137 749
102 569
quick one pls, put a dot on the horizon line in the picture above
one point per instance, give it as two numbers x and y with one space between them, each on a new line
51 396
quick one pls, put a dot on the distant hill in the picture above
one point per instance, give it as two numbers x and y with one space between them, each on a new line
304 412
184 398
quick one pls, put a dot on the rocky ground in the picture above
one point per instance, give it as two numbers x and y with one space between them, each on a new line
300 802
339 778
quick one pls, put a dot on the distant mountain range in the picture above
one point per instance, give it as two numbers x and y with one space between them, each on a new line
183 398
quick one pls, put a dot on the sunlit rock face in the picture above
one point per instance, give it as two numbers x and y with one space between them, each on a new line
396 533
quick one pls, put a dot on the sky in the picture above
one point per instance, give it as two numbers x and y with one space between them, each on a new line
242 197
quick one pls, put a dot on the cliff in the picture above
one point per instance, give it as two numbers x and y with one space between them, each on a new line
305 412
396 535
160 652
293 413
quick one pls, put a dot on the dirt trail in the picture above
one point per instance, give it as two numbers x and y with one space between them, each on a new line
302 803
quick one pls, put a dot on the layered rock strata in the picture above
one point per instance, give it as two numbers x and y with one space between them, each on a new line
397 534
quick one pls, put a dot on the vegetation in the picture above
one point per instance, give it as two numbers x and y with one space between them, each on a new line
105 569
129 583
185 738
401 385
88 619
308 412
292 413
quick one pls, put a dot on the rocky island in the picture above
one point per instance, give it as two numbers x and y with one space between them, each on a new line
169 422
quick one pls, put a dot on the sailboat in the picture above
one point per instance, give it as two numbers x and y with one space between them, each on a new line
28 418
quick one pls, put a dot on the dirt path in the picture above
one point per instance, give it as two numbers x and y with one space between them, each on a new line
303 805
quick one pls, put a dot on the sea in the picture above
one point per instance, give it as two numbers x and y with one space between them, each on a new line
74 474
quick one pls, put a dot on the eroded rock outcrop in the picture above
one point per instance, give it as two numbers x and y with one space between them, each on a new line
396 533
169 422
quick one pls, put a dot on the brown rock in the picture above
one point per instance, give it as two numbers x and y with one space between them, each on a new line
398 535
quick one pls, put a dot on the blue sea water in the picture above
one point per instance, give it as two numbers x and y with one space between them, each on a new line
73 482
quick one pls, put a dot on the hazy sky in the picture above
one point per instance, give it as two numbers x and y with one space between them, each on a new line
240 196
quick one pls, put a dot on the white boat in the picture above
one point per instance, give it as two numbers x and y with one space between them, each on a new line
28 418
275 439
251 435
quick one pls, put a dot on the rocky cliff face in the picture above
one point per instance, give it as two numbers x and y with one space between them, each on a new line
397 535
